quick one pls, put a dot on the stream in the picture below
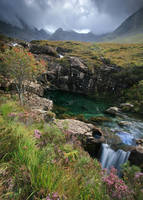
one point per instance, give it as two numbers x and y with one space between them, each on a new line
72 105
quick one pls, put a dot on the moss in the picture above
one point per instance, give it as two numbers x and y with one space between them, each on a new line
100 119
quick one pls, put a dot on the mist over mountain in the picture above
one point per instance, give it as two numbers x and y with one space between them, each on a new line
60 34
25 32
133 24
131 30
98 16
35 17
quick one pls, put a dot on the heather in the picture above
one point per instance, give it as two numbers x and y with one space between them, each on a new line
39 161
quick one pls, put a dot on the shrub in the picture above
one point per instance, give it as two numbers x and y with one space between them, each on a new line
116 187
133 177
20 66
135 95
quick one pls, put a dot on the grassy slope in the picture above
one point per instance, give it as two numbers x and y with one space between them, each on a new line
124 55
135 38
34 168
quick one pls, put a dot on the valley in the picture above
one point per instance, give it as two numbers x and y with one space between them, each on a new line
71 112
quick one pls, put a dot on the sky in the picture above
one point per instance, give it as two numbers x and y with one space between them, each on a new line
97 16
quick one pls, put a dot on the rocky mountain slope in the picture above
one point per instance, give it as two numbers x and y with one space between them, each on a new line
25 33
60 34
131 30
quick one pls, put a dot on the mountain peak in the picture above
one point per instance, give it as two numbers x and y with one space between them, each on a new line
132 24
59 30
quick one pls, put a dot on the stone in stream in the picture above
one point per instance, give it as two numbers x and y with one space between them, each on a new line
124 123
126 107
113 110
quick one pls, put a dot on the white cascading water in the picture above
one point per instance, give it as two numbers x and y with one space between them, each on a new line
110 158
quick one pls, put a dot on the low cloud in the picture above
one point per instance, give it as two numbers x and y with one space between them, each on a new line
98 16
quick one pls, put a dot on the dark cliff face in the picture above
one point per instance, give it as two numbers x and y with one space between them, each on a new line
98 77
76 77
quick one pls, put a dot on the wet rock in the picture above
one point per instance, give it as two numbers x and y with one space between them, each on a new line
124 123
90 136
100 119
139 142
126 107
39 49
136 156
113 110
78 77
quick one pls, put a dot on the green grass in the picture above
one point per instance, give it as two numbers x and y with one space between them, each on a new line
93 54
136 38
36 167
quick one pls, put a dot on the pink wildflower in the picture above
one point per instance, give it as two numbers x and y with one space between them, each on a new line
37 134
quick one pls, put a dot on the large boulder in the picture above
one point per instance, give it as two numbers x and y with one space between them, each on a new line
90 136
40 107
43 49
136 156
113 110
36 102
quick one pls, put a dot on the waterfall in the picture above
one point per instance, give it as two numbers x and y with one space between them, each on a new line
110 158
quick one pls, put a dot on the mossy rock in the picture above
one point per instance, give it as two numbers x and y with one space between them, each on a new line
100 119
50 116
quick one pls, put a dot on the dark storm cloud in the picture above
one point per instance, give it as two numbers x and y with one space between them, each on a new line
98 16
118 7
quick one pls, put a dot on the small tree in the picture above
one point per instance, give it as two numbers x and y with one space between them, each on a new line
20 66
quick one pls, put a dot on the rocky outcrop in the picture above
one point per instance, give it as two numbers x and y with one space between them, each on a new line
136 156
34 88
90 136
43 49
40 106
36 102
62 51
72 74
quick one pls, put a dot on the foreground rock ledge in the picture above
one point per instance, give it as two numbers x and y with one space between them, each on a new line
90 136
136 156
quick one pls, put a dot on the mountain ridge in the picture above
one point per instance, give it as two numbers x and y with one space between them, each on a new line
130 30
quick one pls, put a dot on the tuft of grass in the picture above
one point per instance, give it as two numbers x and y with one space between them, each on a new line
38 161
